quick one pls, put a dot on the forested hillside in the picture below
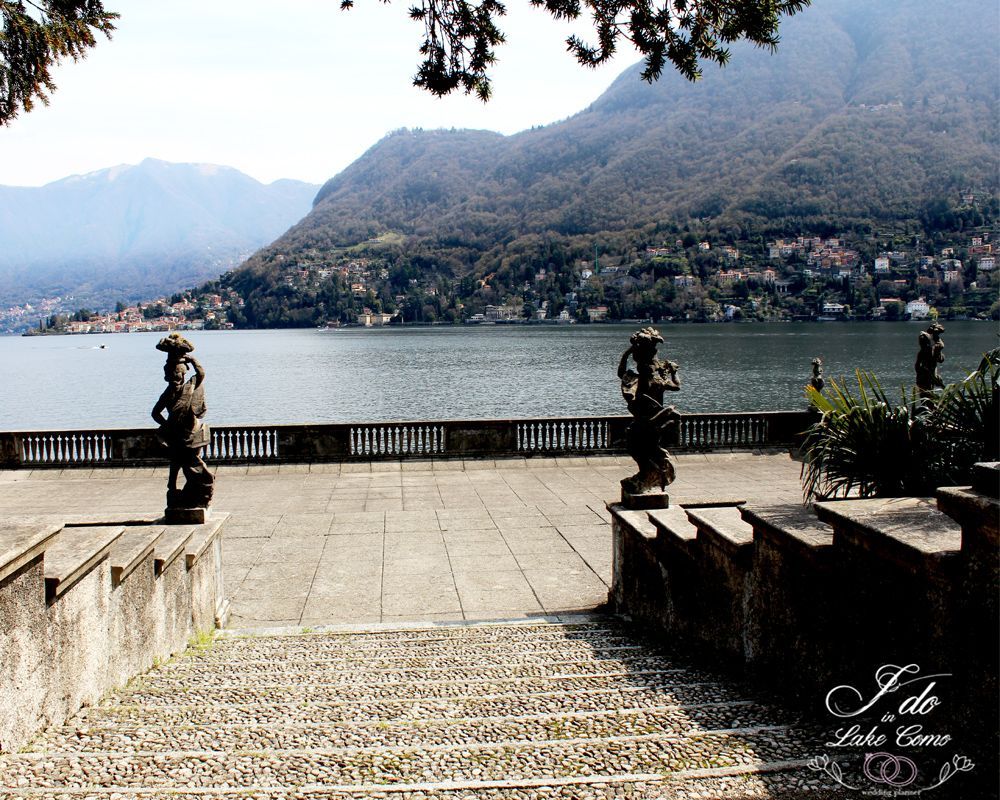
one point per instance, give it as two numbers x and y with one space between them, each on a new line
871 117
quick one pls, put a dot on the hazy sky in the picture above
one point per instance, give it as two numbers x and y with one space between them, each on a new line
289 89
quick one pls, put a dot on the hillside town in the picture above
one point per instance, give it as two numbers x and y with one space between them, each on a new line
688 279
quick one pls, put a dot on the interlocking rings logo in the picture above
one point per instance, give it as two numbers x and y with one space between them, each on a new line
892 770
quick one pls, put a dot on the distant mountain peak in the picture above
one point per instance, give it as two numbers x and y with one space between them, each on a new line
136 230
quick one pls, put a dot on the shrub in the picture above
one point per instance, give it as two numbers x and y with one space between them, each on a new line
864 445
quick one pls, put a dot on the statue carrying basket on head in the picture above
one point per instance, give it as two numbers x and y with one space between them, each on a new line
643 390
182 431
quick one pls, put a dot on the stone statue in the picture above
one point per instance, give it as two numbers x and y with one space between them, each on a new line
931 354
183 432
816 381
643 392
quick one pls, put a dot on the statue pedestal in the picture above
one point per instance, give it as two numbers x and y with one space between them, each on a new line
185 516
645 501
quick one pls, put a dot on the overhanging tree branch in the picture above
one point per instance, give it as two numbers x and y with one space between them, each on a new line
460 38
36 36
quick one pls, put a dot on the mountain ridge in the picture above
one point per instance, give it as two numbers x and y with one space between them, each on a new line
133 231
848 79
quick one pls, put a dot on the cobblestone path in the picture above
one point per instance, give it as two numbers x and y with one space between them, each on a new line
574 711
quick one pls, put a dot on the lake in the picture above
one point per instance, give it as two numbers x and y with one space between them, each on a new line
291 376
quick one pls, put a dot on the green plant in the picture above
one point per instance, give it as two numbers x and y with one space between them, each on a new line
866 446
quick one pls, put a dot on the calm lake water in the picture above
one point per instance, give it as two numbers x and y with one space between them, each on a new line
288 376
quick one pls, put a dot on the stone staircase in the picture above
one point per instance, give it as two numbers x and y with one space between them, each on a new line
556 709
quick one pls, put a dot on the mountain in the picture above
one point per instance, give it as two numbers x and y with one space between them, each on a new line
134 232
868 116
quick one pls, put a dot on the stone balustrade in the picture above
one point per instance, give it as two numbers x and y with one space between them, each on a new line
274 444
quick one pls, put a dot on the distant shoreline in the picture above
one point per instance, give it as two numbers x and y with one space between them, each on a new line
498 323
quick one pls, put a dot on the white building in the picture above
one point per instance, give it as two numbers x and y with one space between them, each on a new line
918 309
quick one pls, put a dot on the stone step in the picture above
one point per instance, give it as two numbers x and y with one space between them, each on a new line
371 692
424 732
655 753
73 553
207 658
907 531
673 524
481 648
23 539
787 780
692 700
171 545
722 528
326 675
129 550
791 526
490 634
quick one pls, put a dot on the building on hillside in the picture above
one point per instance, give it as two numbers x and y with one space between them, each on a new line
597 313
376 319
833 309
503 313
727 277
882 264
918 309
684 280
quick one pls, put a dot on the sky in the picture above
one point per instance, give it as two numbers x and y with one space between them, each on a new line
291 89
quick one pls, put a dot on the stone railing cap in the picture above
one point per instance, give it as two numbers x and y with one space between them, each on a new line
22 538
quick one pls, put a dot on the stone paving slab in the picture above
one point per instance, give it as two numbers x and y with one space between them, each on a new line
389 542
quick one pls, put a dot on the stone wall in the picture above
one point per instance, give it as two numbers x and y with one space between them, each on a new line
70 631
800 600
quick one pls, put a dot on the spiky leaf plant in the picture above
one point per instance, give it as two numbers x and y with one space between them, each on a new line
865 446
965 420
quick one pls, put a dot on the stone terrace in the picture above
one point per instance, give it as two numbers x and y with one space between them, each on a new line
397 542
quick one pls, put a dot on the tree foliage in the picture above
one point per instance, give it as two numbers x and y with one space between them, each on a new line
459 45
36 36
461 36
864 444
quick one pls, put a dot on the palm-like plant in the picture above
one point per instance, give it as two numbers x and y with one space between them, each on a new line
863 444
867 446
966 418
